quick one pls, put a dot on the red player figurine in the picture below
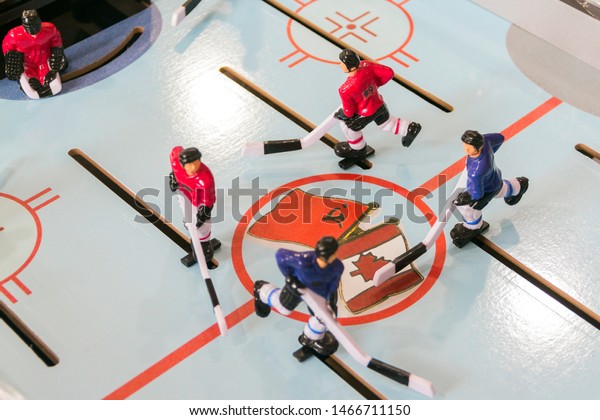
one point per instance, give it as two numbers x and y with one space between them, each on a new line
362 103
197 185
34 56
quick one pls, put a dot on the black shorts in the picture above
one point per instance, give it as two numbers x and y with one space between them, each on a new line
358 122
485 200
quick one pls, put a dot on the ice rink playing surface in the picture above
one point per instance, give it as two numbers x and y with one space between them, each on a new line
105 291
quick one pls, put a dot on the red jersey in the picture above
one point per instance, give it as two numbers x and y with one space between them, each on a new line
359 92
198 188
35 48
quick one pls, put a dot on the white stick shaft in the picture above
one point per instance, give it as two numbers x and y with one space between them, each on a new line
191 227
446 212
319 131
319 307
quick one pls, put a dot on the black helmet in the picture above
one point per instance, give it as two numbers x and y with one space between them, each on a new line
31 21
473 138
326 247
349 58
189 155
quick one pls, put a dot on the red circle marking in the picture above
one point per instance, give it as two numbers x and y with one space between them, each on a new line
1 228
422 289
38 226
351 26
323 60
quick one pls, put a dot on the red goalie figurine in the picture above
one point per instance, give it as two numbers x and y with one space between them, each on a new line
34 56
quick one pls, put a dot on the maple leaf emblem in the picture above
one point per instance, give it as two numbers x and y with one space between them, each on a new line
367 265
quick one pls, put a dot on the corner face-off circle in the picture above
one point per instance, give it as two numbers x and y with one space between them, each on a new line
360 24
20 237
362 246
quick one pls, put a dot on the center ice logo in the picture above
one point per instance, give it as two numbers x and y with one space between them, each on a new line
298 214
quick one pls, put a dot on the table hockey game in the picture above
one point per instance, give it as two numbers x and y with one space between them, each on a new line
96 304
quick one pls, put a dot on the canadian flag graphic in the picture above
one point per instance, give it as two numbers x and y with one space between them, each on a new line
300 219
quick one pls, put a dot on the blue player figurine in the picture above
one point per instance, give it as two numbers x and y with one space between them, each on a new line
319 271
483 184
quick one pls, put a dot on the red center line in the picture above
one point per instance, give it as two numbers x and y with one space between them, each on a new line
509 132
180 354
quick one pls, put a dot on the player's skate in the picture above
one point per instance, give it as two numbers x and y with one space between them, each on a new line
343 150
524 182
413 130
324 346
461 235
260 308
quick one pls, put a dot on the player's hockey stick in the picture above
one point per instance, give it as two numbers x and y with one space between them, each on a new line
279 146
191 227
183 10
319 307
391 268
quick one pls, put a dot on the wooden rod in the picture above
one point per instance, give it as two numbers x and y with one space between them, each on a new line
422 93
588 151
41 349
328 139
130 198
537 280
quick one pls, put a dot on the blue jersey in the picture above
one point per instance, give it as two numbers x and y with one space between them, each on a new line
303 266
484 176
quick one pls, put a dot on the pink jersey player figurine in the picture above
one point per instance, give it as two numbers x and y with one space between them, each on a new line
362 104
34 56
197 186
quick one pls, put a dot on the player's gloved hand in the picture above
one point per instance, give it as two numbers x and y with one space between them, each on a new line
173 184
57 61
339 115
290 295
332 302
14 65
203 215
463 199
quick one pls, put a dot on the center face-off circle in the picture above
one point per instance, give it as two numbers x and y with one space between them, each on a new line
297 214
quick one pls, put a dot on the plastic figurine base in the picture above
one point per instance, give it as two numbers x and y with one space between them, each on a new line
326 346
461 236
189 260
348 162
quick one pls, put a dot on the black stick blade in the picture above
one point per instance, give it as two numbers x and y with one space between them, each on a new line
392 372
403 377
183 10
280 146
410 256
190 5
